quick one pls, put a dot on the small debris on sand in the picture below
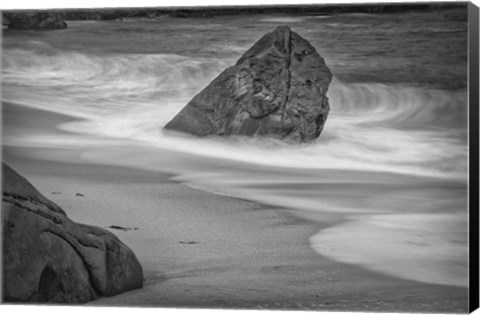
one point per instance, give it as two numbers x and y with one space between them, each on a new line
117 227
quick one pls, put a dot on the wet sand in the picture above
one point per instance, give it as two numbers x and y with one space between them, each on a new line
200 249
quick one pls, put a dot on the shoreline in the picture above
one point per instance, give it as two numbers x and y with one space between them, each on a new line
200 249
295 277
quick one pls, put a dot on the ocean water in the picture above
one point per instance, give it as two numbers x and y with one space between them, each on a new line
392 159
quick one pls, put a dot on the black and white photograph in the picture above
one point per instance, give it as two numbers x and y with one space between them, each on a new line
310 156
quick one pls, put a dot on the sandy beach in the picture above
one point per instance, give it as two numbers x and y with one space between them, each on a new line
200 249
370 216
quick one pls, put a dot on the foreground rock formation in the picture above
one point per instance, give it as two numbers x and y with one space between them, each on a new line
49 258
34 20
277 88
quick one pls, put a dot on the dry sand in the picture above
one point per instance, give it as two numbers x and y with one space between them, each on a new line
204 250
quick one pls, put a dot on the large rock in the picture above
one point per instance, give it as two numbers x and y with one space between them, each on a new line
277 88
49 258
34 20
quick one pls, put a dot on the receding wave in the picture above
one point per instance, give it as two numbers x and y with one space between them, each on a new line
402 128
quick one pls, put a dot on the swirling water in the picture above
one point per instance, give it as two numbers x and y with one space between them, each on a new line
392 158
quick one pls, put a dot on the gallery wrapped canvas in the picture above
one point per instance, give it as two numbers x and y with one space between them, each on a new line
286 157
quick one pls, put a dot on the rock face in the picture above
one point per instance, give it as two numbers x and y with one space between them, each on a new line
277 88
29 20
49 258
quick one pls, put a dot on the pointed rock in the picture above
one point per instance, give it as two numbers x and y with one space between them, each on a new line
277 89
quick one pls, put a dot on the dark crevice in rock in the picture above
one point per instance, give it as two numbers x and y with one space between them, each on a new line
37 212
34 200
264 114
50 286
79 253
83 243
288 49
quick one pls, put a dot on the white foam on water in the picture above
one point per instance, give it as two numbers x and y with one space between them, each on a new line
392 126
371 126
